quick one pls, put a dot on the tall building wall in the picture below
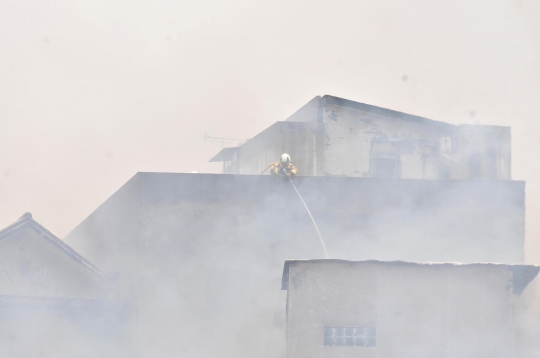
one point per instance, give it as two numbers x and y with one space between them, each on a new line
202 254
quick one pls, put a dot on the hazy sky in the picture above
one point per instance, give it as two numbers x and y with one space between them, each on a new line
92 92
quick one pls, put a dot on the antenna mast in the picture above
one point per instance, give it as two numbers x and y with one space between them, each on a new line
223 141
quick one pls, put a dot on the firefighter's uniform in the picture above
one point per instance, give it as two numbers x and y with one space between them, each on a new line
277 169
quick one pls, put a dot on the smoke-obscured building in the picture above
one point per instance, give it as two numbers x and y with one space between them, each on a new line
54 302
202 254
399 309
194 262
331 136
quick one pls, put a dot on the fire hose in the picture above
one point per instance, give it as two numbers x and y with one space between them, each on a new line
307 209
312 219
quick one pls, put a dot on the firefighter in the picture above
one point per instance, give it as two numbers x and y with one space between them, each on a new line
283 167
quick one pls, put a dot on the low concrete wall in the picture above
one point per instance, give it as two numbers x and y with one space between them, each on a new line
410 310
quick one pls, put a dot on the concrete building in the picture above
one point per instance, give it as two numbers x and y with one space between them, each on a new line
201 254
331 136
398 309
54 302
196 258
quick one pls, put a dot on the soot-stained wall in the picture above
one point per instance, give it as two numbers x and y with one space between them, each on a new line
398 309
332 136
202 253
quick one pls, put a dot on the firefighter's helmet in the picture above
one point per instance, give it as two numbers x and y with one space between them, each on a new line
285 158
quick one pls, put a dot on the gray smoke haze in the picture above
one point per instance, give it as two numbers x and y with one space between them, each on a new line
92 92
202 255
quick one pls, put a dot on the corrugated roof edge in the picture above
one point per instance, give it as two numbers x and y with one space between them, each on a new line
523 274
27 221
383 111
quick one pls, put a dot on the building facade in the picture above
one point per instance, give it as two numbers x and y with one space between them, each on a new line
331 136
398 309
202 254
196 258
54 302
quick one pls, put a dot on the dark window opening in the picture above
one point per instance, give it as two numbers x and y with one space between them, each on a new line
385 161
431 150
475 171
362 336
483 165
385 168
444 171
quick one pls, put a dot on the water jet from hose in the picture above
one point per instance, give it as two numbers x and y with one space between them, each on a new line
313 220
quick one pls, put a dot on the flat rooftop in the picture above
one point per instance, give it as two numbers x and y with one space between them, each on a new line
522 274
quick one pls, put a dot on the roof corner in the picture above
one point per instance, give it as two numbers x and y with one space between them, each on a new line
285 277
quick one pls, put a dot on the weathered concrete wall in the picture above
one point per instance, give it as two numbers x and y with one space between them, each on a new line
414 310
485 152
423 148
336 137
352 135
210 248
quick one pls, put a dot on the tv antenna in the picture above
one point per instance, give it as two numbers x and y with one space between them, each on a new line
223 141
